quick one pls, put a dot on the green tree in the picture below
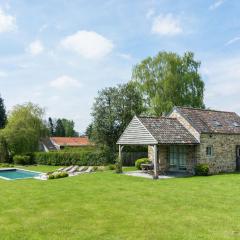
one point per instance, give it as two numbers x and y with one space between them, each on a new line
4 152
51 127
69 128
3 115
59 130
89 130
25 128
113 109
168 80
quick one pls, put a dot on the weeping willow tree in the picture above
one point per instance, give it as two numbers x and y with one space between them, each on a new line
25 128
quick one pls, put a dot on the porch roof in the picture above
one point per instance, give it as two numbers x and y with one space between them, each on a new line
168 130
151 130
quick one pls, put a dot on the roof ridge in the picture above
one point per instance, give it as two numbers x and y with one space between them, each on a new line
164 117
201 109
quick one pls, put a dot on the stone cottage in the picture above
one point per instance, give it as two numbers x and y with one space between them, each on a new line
186 137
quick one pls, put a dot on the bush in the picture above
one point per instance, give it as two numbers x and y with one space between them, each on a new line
22 159
118 166
141 161
202 170
111 167
58 175
95 168
6 165
51 176
81 158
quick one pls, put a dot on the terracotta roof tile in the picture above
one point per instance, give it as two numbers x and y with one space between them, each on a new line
71 141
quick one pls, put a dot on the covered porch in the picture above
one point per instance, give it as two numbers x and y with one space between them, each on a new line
168 160
171 148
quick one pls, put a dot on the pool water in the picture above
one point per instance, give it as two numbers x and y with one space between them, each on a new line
9 174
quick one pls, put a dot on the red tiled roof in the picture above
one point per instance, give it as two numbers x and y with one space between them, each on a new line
71 141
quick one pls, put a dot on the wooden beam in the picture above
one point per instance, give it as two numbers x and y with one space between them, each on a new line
120 148
155 162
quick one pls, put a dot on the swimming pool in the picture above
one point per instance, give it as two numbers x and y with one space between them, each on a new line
16 173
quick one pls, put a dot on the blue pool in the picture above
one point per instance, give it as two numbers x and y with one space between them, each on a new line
14 173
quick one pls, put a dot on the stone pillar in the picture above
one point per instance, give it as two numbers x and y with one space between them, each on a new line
155 162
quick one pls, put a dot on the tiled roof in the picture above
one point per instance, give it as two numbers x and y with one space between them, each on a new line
211 121
71 141
48 144
168 130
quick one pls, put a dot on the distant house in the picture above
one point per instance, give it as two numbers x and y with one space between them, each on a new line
187 137
58 143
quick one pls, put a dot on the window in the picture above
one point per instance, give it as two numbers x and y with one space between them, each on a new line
236 124
178 157
217 123
209 151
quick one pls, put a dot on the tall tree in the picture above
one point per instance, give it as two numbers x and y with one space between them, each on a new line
25 128
59 130
113 109
168 80
51 127
89 130
4 152
3 115
69 128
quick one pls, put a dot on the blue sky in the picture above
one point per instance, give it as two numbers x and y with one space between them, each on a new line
59 53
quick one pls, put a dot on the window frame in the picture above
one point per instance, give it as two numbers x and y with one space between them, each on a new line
209 154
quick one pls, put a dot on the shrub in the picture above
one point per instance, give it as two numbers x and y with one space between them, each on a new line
141 161
95 168
22 159
202 170
58 175
6 165
51 176
81 158
111 167
118 166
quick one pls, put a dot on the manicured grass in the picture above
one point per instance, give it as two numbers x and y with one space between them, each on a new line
105 205
127 169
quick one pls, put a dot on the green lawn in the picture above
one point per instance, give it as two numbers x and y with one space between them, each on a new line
107 206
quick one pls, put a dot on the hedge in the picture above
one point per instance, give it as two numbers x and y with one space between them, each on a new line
22 159
93 158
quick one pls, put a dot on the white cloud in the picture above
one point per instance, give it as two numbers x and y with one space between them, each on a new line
216 4
64 82
7 22
236 39
88 44
35 47
166 25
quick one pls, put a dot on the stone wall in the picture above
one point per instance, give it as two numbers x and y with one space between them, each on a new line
162 156
224 152
150 153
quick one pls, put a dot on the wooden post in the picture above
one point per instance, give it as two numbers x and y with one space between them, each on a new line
155 162
120 147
